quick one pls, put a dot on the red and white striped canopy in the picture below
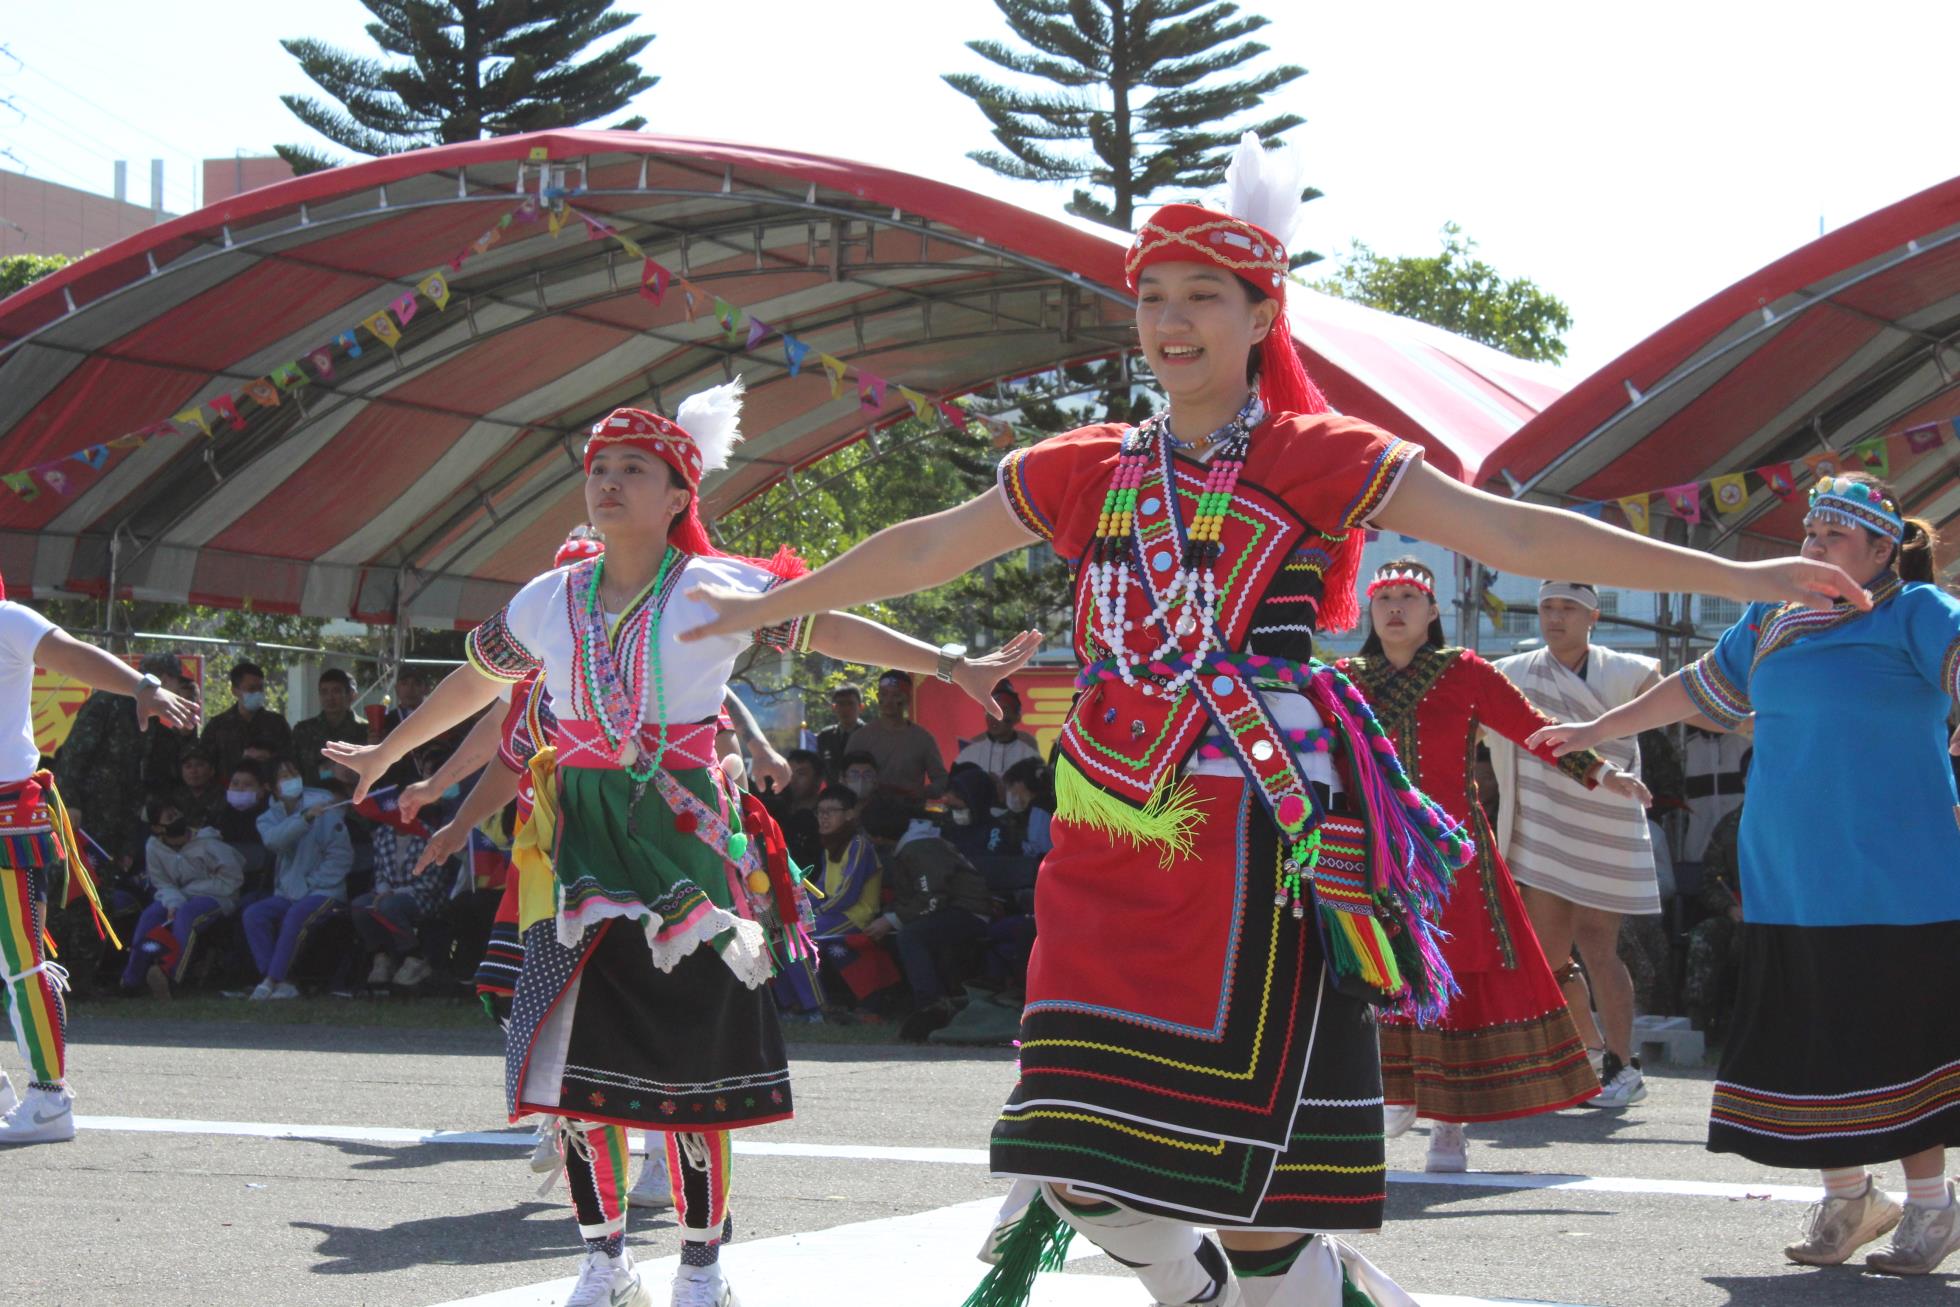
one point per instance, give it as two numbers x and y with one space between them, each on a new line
422 482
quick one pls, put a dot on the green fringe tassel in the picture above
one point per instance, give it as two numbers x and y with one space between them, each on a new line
1038 1242
1165 822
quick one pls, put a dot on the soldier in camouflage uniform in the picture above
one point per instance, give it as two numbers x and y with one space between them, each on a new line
1711 943
100 766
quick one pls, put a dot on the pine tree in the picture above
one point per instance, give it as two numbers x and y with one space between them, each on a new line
1138 84
474 68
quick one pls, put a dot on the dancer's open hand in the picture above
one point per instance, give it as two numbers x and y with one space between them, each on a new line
364 760
734 612
979 676
1626 785
1564 737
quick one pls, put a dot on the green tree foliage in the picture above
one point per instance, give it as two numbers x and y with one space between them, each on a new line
18 271
465 69
1459 292
1138 98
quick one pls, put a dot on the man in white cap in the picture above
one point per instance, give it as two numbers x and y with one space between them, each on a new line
1583 859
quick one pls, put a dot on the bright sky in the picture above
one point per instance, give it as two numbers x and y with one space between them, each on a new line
1632 159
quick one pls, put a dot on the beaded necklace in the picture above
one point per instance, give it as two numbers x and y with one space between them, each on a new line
615 669
1189 601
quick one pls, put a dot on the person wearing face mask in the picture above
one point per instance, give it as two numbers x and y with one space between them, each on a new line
306 832
248 729
238 823
389 918
1029 791
970 801
1845 1047
197 877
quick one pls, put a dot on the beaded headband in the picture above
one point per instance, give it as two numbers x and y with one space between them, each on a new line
1392 576
649 433
1844 502
1189 233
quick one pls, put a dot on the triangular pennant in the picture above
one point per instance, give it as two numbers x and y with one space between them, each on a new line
384 328
23 485
871 391
594 228
1731 493
347 342
55 478
758 332
921 406
94 456
836 367
1877 456
1777 476
322 361
227 405
653 281
288 375
794 352
1592 508
503 222
729 317
1926 436
263 393
1639 513
404 307
196 417
694 297
1004 433
1685 500
486 240
129 440
436 287
1827 464
555 220
527 211
630 245
953 413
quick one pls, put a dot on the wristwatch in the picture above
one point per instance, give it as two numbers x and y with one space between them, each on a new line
149 682
949 657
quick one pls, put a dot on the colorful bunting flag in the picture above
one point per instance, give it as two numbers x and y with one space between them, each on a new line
436 287
458 259
527 211
1003 433
485 241
23 485
1592 508
653 281
384 329
794 352
94 456
404 307
729 317
555 220
1827 464
630 245
871 391
758 332
921 406
195 416
347 342
322 361
953 413
1921 438
503 222
1639 513
836 368
1876 456
227 406
1780 479
1731 493
694 296
263 393
56 480
288 375
1685 501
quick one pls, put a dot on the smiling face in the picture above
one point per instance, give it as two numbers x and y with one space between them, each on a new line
1401 615
1198 326
1862 553
629 491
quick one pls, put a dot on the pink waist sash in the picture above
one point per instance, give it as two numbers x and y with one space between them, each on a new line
583 744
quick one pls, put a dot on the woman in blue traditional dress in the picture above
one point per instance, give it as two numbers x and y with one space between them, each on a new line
1241 871
1846 1043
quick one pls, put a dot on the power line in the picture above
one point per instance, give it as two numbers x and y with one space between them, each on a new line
98 151
77 95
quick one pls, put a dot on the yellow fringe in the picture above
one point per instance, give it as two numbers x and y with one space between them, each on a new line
71 855
1167 823
532 843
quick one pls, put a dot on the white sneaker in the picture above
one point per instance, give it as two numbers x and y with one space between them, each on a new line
263 990
1397 1118
703 1286
8 1098
609 1282
412 972
1837 1227
383 970
1447 1149
652 1191
1626 1088
1924 1238
282 990
45 1116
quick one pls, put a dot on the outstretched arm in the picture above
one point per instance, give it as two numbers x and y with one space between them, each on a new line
493 790
1664 705
63 654
769 764
1526 539
462 693
852 639
477 751
900 560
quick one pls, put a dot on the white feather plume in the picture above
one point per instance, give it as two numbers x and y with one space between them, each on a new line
1263 186
714 418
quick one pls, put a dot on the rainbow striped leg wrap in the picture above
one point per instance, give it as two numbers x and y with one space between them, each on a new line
700 1167
596 1162
31 986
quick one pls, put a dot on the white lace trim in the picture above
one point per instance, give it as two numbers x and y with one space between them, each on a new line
746 953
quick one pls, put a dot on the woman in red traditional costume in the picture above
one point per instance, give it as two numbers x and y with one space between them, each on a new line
1218 922
1507 1046
655 899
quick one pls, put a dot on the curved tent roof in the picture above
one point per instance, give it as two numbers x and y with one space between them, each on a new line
425 476
1852 337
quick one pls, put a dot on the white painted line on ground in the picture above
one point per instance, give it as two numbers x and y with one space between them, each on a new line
367 1134
926 1258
